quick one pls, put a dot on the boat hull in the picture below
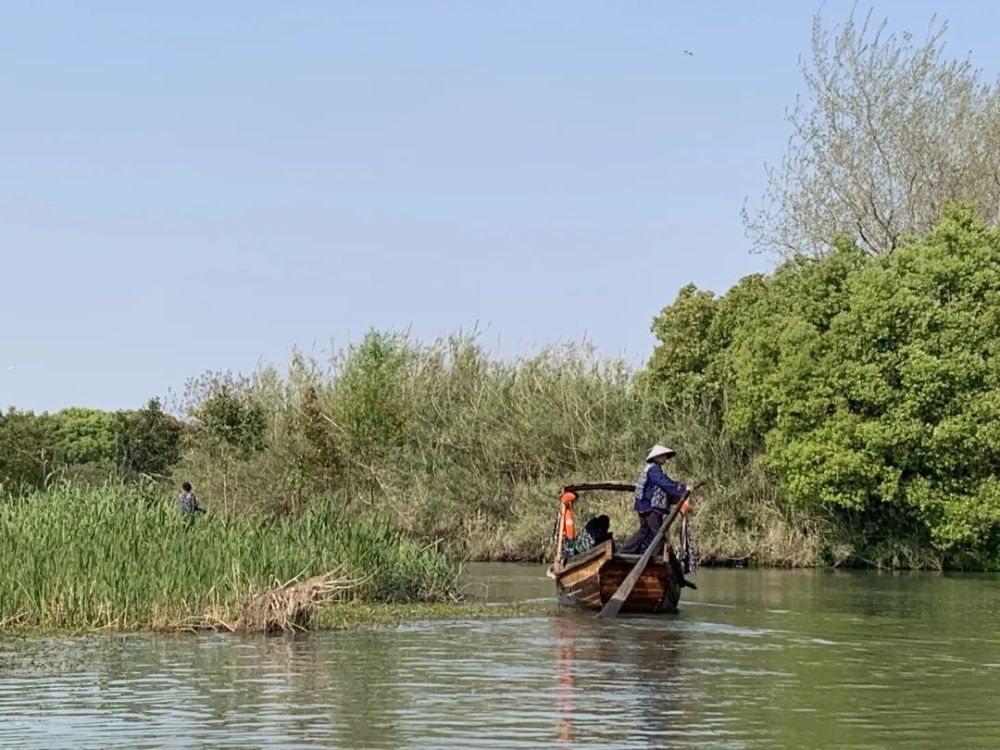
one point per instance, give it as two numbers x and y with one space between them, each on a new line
591 579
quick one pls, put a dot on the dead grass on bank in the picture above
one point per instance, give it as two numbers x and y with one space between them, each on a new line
291 605
283 608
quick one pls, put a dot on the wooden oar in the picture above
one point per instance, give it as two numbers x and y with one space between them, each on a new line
618 599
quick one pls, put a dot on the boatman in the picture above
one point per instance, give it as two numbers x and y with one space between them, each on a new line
655 492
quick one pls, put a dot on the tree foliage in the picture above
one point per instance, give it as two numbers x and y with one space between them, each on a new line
85 436
870 387
27 451
149 441
890 130
86 444
232 420
370 399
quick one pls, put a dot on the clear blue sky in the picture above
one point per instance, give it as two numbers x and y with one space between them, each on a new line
191 186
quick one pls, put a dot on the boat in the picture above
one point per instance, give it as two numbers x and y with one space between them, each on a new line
591 577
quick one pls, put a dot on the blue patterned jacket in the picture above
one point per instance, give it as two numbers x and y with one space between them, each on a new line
654 489
187 503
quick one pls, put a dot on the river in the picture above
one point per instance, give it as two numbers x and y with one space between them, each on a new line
755 658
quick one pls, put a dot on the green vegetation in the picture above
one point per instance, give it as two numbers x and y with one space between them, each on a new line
86 443
80 558
887 131
844 409
381 615
456 446
867 389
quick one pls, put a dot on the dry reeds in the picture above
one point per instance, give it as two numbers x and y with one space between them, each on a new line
282 608
290 606
484 445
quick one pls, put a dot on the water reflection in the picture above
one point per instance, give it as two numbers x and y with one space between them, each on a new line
565 652
755 658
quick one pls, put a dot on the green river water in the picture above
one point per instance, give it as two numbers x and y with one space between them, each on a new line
769 659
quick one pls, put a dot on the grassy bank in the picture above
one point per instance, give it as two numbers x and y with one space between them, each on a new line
81 558
466 452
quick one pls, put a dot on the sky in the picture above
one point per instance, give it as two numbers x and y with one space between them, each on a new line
191 186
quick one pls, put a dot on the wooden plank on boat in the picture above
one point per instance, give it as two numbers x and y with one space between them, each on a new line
591 578
600 550
584 589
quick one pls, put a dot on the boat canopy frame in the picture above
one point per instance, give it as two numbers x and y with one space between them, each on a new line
575 490
610 486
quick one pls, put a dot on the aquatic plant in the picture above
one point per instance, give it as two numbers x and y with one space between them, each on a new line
81 557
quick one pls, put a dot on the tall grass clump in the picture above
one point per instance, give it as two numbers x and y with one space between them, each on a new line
79 557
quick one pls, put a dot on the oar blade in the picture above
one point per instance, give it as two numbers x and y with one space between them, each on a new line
613 606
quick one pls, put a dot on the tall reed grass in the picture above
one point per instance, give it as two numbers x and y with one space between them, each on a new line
463 448
79 557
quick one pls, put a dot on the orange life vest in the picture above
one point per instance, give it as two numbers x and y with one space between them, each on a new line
569 521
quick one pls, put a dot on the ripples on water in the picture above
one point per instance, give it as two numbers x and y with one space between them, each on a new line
755 659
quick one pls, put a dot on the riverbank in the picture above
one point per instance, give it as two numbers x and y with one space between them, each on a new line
465 452
118 559
344 616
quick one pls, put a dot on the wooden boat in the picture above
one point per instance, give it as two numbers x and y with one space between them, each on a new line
590 578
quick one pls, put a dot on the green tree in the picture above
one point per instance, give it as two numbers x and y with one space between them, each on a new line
150 441
868 387
685 357
903 394
233 423
86 436
27 454
370 405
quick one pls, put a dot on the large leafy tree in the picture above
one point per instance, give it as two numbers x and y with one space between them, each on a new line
86 436
870 387
897 405
149 441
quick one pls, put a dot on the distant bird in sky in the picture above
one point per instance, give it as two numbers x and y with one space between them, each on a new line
689 53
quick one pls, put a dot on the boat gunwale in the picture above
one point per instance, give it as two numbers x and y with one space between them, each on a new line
588 556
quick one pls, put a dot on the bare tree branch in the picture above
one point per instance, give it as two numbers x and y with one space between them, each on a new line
889 130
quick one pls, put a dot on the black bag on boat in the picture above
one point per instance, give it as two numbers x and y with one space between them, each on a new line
595 531
598 528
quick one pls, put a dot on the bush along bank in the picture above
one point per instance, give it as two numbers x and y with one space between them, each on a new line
866 389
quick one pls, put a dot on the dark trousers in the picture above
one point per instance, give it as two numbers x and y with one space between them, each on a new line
649 524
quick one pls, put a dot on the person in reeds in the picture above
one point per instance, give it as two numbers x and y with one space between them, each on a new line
187 502
655 492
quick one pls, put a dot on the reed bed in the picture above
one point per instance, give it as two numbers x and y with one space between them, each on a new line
448 444
83 558
466 450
